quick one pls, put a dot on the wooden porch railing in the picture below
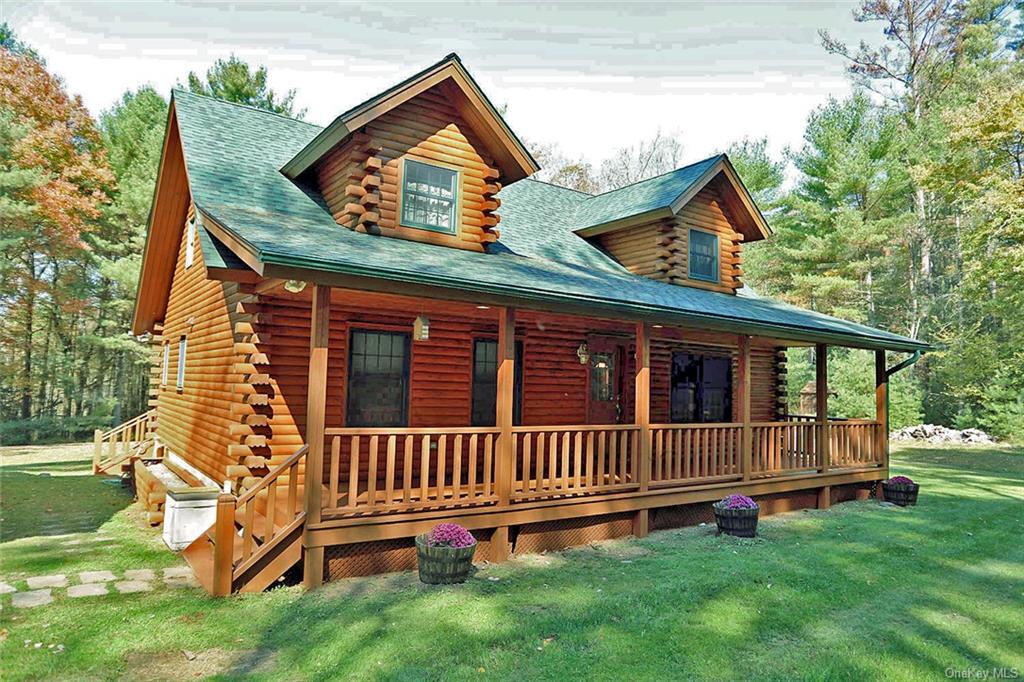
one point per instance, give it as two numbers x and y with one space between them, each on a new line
691 453
784 447
250 527
384 470
113 447
854 443
401 469
555 461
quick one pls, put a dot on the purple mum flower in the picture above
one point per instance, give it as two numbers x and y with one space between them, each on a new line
900 480
737 502
450 535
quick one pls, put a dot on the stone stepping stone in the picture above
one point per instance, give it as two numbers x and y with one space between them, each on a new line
96 577
140 574
37 582
5 588
129 586
183 581
178 572
88 590
26 600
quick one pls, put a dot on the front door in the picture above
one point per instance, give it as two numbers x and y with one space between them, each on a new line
604 380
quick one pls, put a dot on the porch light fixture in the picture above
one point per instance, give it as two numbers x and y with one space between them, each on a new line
294 286
483 307
657 326
583 353
421 328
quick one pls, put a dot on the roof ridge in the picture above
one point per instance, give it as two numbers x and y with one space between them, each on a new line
186 91
659 175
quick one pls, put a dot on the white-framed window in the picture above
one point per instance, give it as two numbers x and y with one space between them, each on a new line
429 197
190 243
182 345
702 256
167 362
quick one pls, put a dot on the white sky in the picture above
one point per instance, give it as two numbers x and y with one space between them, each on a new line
591 76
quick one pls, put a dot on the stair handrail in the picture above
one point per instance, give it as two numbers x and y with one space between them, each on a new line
225 568
132 431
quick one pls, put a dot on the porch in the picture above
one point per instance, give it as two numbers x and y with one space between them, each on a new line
384 484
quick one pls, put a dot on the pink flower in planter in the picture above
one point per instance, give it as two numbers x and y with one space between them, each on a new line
900 480
737 502
450 535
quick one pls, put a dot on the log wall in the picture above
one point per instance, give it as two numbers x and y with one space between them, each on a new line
555 385
195 421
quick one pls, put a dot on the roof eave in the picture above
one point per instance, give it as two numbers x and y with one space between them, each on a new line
291 267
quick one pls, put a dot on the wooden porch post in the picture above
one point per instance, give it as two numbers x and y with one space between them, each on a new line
505 468
642 418
882 410
821 405
743 375
224 545
821 414
316 404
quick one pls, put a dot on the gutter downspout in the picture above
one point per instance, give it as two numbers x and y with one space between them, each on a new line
888 373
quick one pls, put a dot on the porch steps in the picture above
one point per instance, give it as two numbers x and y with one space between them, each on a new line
272 548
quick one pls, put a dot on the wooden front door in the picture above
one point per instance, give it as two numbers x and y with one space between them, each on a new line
604 380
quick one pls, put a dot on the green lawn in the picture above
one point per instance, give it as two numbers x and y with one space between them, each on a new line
859 591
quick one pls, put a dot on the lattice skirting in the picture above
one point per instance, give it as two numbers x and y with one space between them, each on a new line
776 503
369 558
554 535
384 556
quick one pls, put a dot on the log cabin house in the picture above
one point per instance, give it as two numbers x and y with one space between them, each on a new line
365 329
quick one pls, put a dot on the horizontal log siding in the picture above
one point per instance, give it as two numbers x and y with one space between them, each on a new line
659 250
428 129
195 423
554 381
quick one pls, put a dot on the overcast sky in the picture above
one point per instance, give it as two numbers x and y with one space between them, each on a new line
591 76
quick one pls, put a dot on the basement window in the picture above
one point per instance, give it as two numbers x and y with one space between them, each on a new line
428 197
702 258
182 345
190 240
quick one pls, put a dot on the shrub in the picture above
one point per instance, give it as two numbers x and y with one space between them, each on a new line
450 535
737 502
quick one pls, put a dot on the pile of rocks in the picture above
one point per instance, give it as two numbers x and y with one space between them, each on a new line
932 433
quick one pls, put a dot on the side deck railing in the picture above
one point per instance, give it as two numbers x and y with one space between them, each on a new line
116 445
388 470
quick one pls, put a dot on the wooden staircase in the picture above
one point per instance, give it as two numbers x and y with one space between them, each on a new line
115 449
256 537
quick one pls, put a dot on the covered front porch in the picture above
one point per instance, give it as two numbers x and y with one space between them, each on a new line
385 483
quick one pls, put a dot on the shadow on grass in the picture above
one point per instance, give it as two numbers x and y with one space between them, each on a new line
35 503
861 591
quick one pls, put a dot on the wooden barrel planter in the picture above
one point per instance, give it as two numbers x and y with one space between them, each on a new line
741 523
443 565
902 494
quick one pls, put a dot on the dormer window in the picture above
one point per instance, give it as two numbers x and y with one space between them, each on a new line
703 256
429 197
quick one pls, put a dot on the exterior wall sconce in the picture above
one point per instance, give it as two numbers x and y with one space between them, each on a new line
294 286
583 353
421 328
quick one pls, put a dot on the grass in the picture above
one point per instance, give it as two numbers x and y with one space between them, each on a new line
859 591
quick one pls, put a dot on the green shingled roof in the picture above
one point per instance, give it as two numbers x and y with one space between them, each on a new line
233 154
641 197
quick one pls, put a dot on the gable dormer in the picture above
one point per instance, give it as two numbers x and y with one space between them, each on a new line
421 161
685 227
